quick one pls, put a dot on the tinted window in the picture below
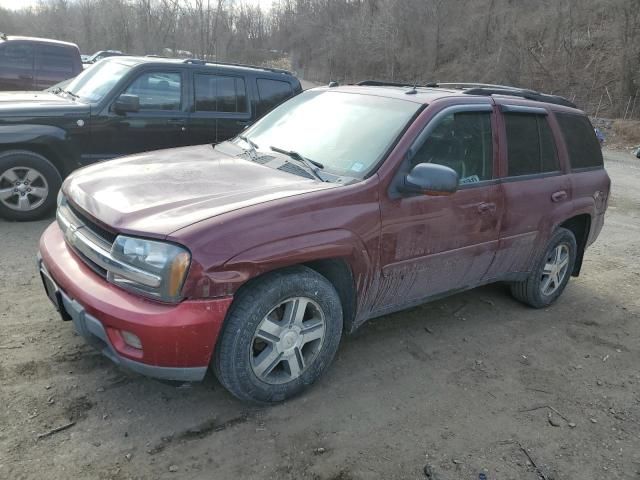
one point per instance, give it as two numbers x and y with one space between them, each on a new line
463 142
157 90
17 56
583 146
530 145
216 93
272 93
55 59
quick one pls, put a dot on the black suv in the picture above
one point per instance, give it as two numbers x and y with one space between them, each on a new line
119 106
28 63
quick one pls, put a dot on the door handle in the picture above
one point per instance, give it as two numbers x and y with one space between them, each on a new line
487 207
558 196
176 121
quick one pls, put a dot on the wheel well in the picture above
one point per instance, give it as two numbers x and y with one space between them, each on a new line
580 225
339 273
43 150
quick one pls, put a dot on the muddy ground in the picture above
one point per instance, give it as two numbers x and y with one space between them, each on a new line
461 385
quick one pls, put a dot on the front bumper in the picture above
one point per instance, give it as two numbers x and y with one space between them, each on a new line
177 340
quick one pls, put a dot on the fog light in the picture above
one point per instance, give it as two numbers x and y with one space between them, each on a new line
131 339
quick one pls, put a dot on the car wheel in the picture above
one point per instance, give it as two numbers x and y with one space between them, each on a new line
281 333
29 184
549 278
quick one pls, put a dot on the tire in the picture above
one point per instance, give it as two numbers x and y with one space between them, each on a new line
22 173
256 356
535 291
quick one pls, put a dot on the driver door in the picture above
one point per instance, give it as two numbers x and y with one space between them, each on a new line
432 245
160 123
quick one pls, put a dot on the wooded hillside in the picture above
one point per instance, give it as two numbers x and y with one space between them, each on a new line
587 50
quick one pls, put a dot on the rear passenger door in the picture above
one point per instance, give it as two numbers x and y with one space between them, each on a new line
220 108
53 64
16 66
536 188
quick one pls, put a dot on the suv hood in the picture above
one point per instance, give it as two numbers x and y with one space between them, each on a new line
38 104
157 193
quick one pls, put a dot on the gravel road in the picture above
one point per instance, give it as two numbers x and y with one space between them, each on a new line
457 387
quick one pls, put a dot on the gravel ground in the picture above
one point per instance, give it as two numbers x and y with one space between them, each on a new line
472 383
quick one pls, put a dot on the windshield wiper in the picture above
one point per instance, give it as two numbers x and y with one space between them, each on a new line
69 92
312 165
253 151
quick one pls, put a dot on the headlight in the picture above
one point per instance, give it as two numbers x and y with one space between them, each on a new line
167 261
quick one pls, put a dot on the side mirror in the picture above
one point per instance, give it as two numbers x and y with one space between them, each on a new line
127 103
431 179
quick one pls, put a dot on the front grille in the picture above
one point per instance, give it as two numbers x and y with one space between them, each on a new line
106 235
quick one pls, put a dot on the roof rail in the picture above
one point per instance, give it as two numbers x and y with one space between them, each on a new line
377 83
490 89
198 61
523 93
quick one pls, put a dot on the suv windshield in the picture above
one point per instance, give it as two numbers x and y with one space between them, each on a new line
347 133
96 81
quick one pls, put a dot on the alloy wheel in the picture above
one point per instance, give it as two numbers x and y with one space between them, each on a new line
23 188
555 269
287 340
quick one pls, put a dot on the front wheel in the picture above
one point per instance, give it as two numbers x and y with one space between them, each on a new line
550 276
282 332
29 184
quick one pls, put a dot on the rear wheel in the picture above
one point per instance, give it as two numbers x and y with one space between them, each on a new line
550 276
281 333
29 184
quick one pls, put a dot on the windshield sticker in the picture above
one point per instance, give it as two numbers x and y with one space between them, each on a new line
357 167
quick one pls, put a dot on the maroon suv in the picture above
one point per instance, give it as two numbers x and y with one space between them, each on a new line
346 203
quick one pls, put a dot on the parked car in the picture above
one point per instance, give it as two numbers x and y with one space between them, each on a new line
343 204
28 63
103 54
119 106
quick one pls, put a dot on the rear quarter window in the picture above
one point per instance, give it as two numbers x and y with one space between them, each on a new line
582 144
272 93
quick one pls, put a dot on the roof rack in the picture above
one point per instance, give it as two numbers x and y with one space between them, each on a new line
198 61
377 83
489 89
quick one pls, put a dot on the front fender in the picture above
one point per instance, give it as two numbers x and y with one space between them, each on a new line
260 259
49 139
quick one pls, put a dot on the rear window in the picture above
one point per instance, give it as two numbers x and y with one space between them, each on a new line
582 144
55 59
530 145
272 93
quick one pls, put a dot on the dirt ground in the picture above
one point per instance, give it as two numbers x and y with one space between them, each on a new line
457 387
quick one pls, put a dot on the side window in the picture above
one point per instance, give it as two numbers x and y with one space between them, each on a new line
272 93
53 59
583 146
218 93
531 148
17 56
463 142
157 90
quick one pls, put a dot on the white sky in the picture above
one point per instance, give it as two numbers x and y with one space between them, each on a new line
17 4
